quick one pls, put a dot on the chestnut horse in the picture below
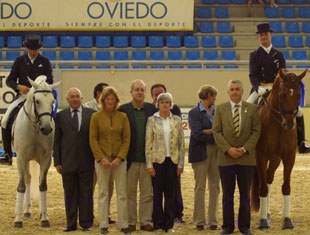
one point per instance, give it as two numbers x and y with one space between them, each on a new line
277 142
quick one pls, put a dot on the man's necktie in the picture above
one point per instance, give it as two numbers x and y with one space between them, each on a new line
75 120
236 120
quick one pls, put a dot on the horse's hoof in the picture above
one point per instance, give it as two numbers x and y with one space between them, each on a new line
27 215
263 224
45 224
287 224
18 224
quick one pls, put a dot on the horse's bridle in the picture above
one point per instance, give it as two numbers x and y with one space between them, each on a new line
38 115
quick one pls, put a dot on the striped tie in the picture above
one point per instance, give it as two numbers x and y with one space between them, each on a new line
236 120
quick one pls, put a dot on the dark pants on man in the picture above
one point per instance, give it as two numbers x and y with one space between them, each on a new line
78 189
244 175
164 185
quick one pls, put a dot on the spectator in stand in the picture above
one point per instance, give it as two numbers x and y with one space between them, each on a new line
203 156
156 90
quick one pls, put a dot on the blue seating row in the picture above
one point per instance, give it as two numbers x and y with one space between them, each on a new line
209 12
290 26
221 27
287 12
293 41
123 41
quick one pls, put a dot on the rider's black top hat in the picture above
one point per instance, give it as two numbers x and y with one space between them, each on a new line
33 42
263 28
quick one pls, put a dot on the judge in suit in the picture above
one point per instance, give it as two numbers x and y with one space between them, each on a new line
74 160
236 129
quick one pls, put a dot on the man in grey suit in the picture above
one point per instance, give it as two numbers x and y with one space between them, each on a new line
236 129
74 160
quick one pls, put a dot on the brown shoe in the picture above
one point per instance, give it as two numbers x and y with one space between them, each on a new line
199 227
147 227
132 228
214 227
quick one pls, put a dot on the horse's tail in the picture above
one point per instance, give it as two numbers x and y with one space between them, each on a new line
255 191
35 175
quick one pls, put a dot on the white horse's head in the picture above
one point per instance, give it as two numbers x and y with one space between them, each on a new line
42 100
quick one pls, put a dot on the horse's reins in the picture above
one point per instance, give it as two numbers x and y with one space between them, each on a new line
37 115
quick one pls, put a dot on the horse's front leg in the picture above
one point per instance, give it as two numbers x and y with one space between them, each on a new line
44 166
272 167
288 164
263 192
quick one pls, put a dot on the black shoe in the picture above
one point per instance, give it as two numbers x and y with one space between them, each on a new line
104 230
6 160
111 221
69 229
200 227
246 232
303 148
179 220
125 231
226 232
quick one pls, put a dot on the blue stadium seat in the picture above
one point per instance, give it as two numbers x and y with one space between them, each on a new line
292 27
103 41
300 55
308 41
103 56
304 12
206 27
298 2
272 12
11 56
305 27
223 27
278 41
276 26
85 41
204 12
139 55
156 41
175 55
138 41
51 55
157 55
66 55
67 41
14 42
208 41
191 41
50 41
1 42
193 55
223 2
211 55
0 55
239 2
173 41
288 12
221 12
286 54
121 55
120 41
283 2
226 41
85 56
210 2
229 55
295 41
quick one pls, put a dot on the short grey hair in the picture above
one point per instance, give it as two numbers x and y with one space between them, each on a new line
234 82
164 97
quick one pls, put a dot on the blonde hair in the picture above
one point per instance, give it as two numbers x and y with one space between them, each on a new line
106 92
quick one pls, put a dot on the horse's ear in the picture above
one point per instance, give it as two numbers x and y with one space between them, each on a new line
302 75
56 84
282 74
33 83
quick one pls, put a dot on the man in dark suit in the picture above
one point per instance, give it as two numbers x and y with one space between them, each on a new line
74 160
30 65
265 63
138 112
236 129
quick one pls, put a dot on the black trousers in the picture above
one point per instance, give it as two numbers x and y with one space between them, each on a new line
243 175
164 185
78 189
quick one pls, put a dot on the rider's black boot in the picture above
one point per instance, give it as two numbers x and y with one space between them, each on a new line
7 147
302 147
